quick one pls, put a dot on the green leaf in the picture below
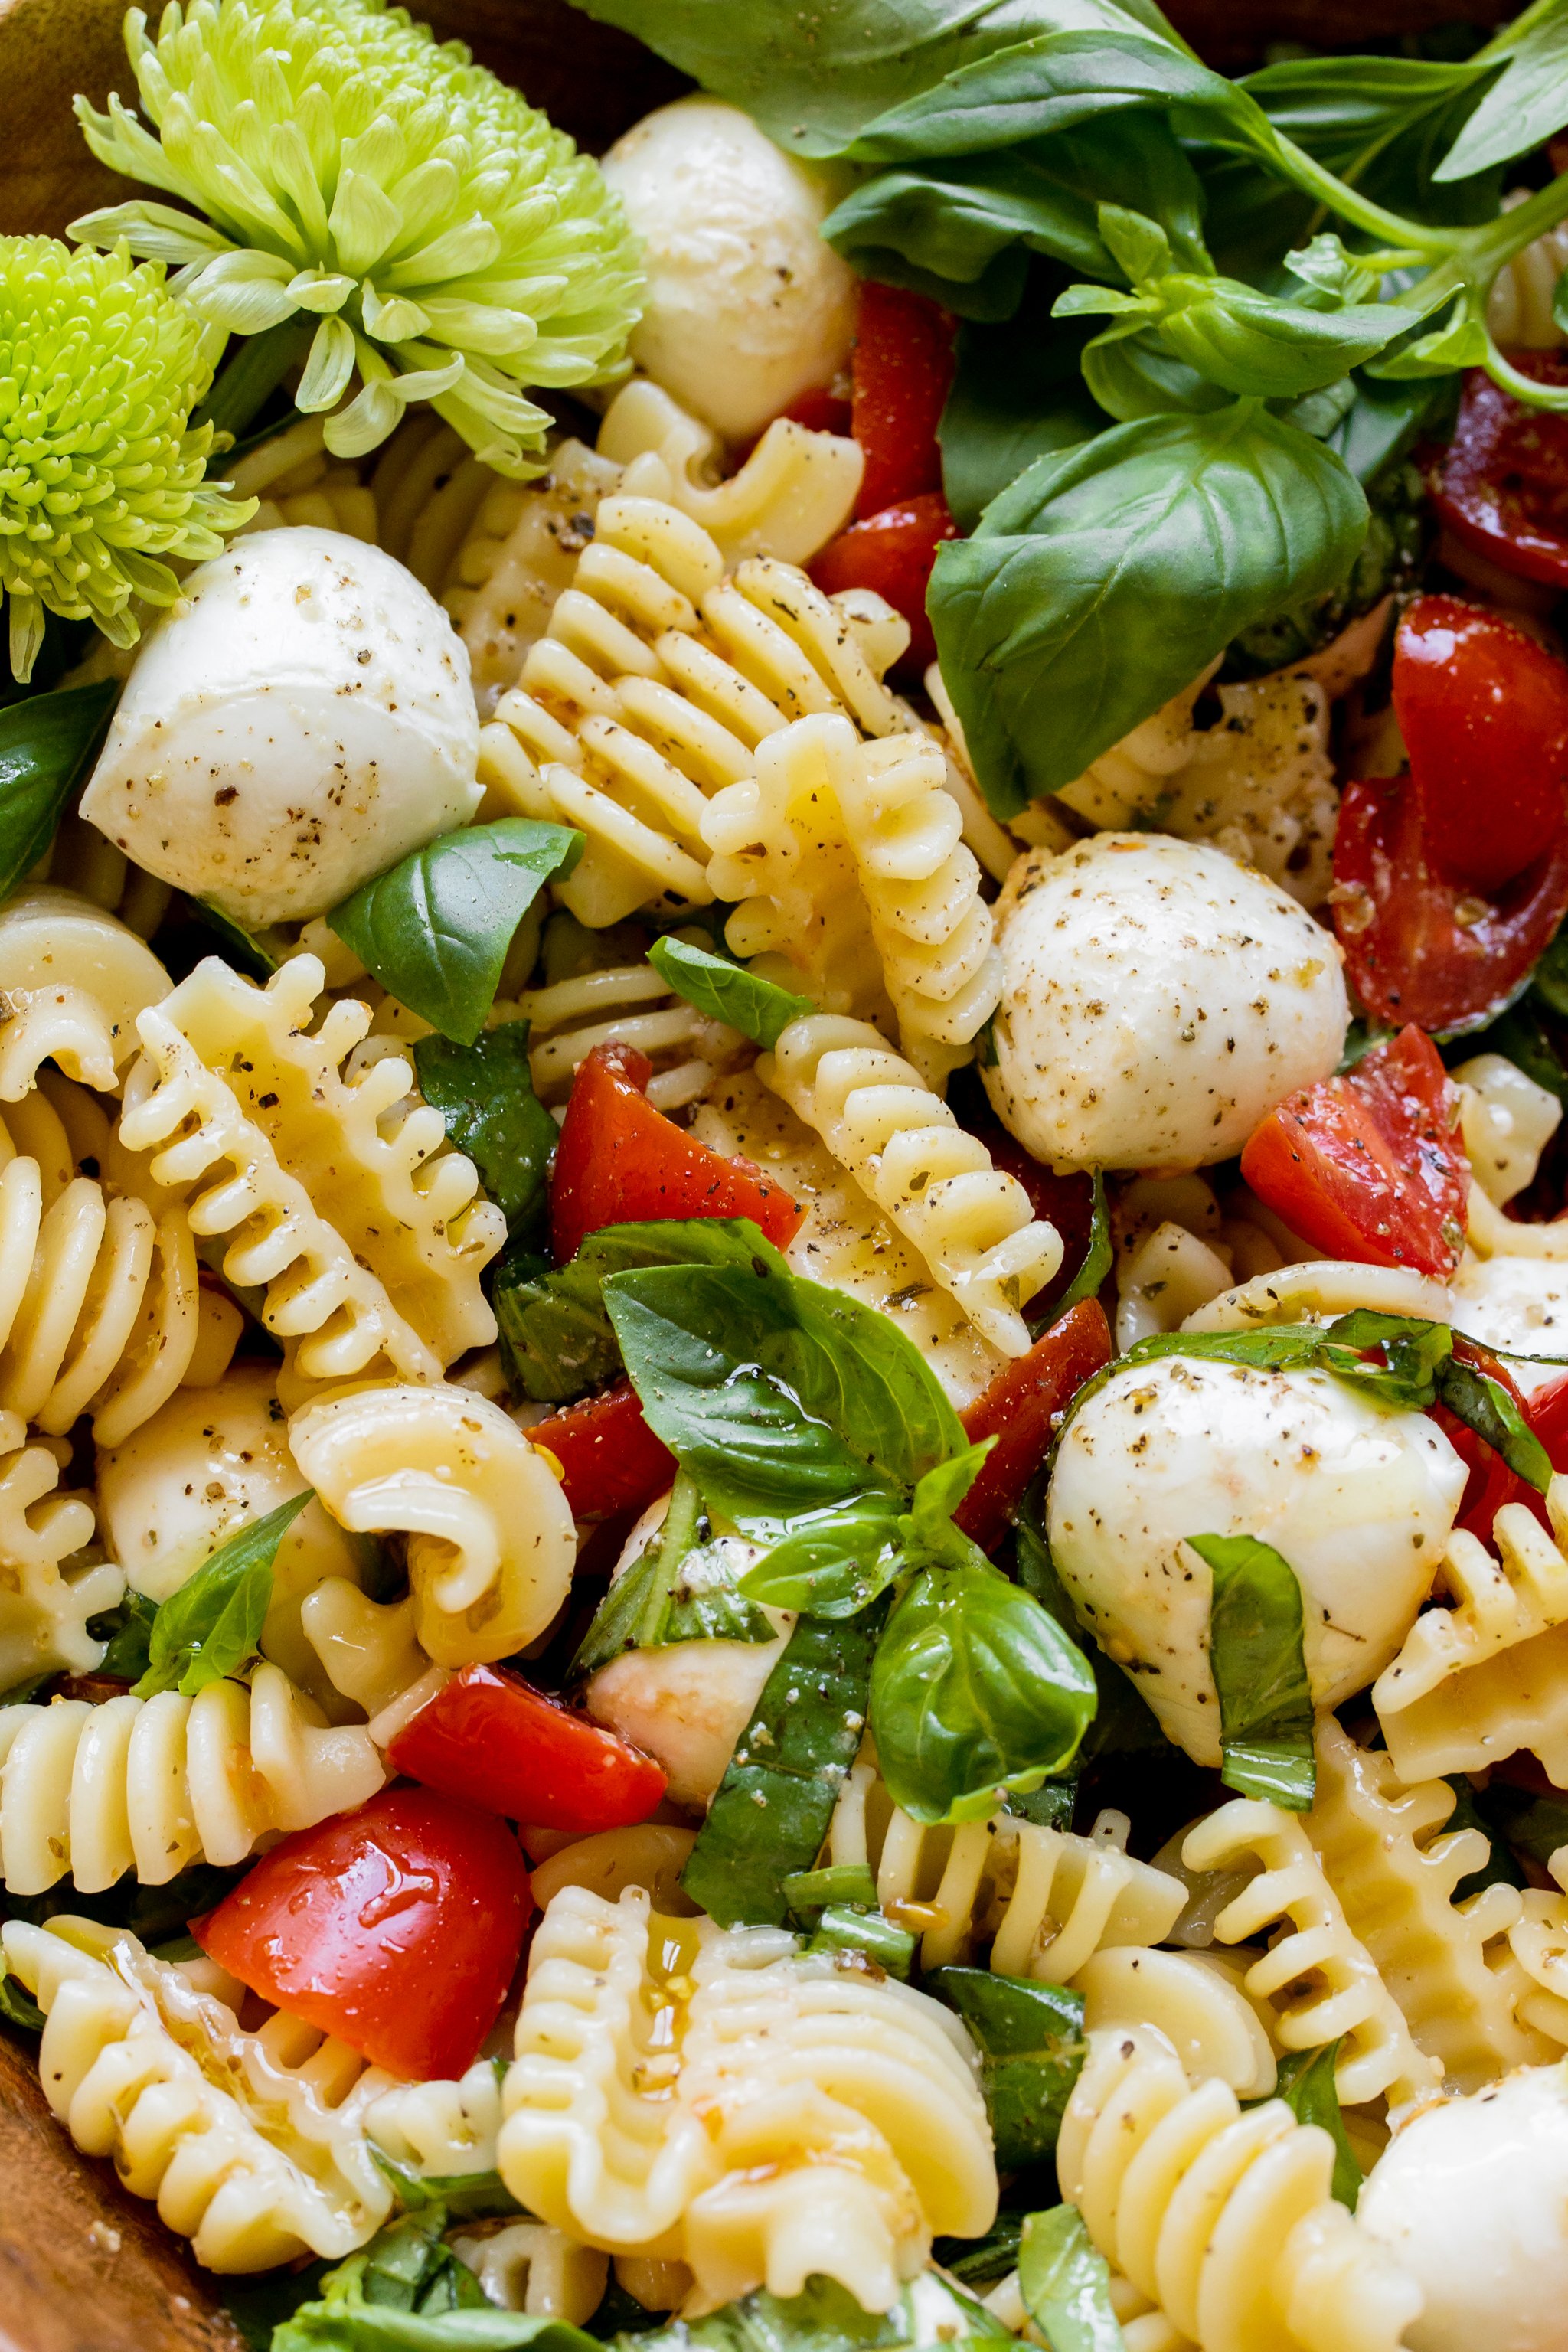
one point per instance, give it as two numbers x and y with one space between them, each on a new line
1532 1826
726 990
833 1562
930 2314
47 743
17 2006
780 1397
1500 1868
1123 1723
407 2292
210 1627
1252 343
1135 375
983 2262
843 1928
484 1094
1107 578
1527 104
681 1588
1032 2047
1306 2084
975 1690
554 1328
1380 122
1066 2283
259 953
1484 1405
435 930
810 1892
1259 1671
127 1628
1016 396
1097 1261
461 2196
768 1819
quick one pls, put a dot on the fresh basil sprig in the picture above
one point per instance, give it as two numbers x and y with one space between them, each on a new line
680 1589
1032 2050
726 990
1306 2084
435 930
1259 1671
46 742
484 1094
1065 2282
210 1626
1526 104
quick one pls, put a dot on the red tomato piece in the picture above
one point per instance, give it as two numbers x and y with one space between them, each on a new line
610 1458
1022 1409
1420 949
1371 1165
1065 1202
824 411
901 372
491 1738
893 553
1502 483
396 1928
1548 1411
1483 710
1491 1483
620 1161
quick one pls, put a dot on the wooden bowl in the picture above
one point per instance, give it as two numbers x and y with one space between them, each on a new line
83 2266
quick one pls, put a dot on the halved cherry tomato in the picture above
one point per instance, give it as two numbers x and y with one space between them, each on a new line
1502 483
396 1928
901 372
612 1460
1370 1166
892 552
1022 1409
1483 710
620 1161
824 411
491 1738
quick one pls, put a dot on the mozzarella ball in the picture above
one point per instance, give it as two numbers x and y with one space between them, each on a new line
1358 1499
184 1482
746 307
299 721
1471 2199
686 1705
1157 1000
1516 1302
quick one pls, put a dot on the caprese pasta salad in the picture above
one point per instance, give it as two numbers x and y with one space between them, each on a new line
783 1282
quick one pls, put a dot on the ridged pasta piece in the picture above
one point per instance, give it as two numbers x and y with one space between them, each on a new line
1489 1675
528 2266
72 980
845 1240
1318 1977
251 2143
518 553
970 1221
794 491
1224 2219
1539 1941
47 1596
1448 1964
491 1541
149 1785
332 1313
441 2127
1519 301
716 2097
373 1158
634 1006
1044 1900
1506 1120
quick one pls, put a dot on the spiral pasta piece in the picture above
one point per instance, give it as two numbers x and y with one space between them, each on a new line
518 553
492 1542
1521 297
1223 2219
46 1602
72 980
1319 1977
149 1785
634 1005
794 491
251 2143
969 1221
373 1158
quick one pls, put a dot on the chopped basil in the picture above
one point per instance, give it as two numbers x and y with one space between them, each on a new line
484 1094
210 1627
1032 2048
1259 1671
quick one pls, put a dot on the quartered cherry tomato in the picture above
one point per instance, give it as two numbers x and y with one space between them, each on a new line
1491 1483
610 1459
620 1161
1502 483
492 1739
396 1928
1022 1409
1450 882
1370 1166
892 552
900 374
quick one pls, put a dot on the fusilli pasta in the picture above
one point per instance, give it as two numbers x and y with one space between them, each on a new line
1519 304
72 980
519 553
46 1593
633 1004
1191 1998
491 1543
794 492
149 1785
970 1223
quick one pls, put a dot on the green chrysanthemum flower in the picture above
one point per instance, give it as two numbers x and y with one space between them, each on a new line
456 247
100 473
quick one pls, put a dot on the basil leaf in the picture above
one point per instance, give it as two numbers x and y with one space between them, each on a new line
1016 396
46 744
407 2292
1123 1723
983 2262
24 1694
127 1630
681 1588
210 1627
1500 1868
780 1397
726 990
1066 2283
976 1691
929 2313
554 1328
256 952
1106 579
1097 1262
1032 2048
484 1094
1484 1405
1253 344
462 2196
1259 1671
1532 1825
832 1562
809 1892
1135 376
435 928
1527 104
1306 2084
841 1928
17 2006
770 1816
1381 123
